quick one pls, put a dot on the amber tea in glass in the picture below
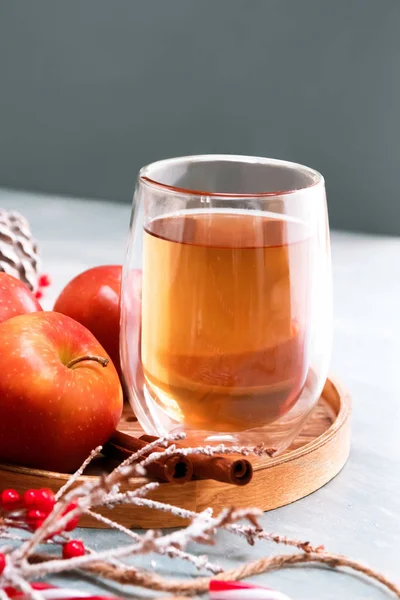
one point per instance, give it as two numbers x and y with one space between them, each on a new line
226 345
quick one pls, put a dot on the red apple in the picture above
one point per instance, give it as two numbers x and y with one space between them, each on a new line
57 399
15 298
92 298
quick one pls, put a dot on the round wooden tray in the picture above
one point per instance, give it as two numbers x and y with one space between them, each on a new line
316 456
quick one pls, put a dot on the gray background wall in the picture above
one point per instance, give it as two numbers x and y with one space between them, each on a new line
90 90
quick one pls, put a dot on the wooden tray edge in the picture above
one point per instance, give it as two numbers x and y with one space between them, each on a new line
343 410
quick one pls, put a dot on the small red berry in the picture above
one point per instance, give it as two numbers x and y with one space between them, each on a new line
44 281
2 562
45 500
38 294
73 549
72 523
9 499
35 518
30 498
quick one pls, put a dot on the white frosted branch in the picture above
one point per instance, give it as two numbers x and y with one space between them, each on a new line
78 473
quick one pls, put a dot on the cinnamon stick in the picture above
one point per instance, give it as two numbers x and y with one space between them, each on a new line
219 468
173 469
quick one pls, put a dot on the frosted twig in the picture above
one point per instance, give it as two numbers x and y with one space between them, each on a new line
148 448
253 533
78 473
58 565
250 532
200 562
183 513
111 500
259 450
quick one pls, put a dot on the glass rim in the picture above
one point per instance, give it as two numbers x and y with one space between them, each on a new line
317 178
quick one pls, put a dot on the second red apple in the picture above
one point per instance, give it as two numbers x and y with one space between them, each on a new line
92 298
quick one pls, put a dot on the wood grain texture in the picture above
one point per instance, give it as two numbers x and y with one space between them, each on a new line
316 456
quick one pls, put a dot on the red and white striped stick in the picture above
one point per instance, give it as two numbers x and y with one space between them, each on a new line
50 592
219 590
233 590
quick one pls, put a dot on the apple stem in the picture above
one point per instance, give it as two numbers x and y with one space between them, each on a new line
99 359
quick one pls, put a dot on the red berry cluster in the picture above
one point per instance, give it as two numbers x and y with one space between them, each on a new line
32 508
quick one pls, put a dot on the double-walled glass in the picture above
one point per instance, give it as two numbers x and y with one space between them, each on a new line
226 299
